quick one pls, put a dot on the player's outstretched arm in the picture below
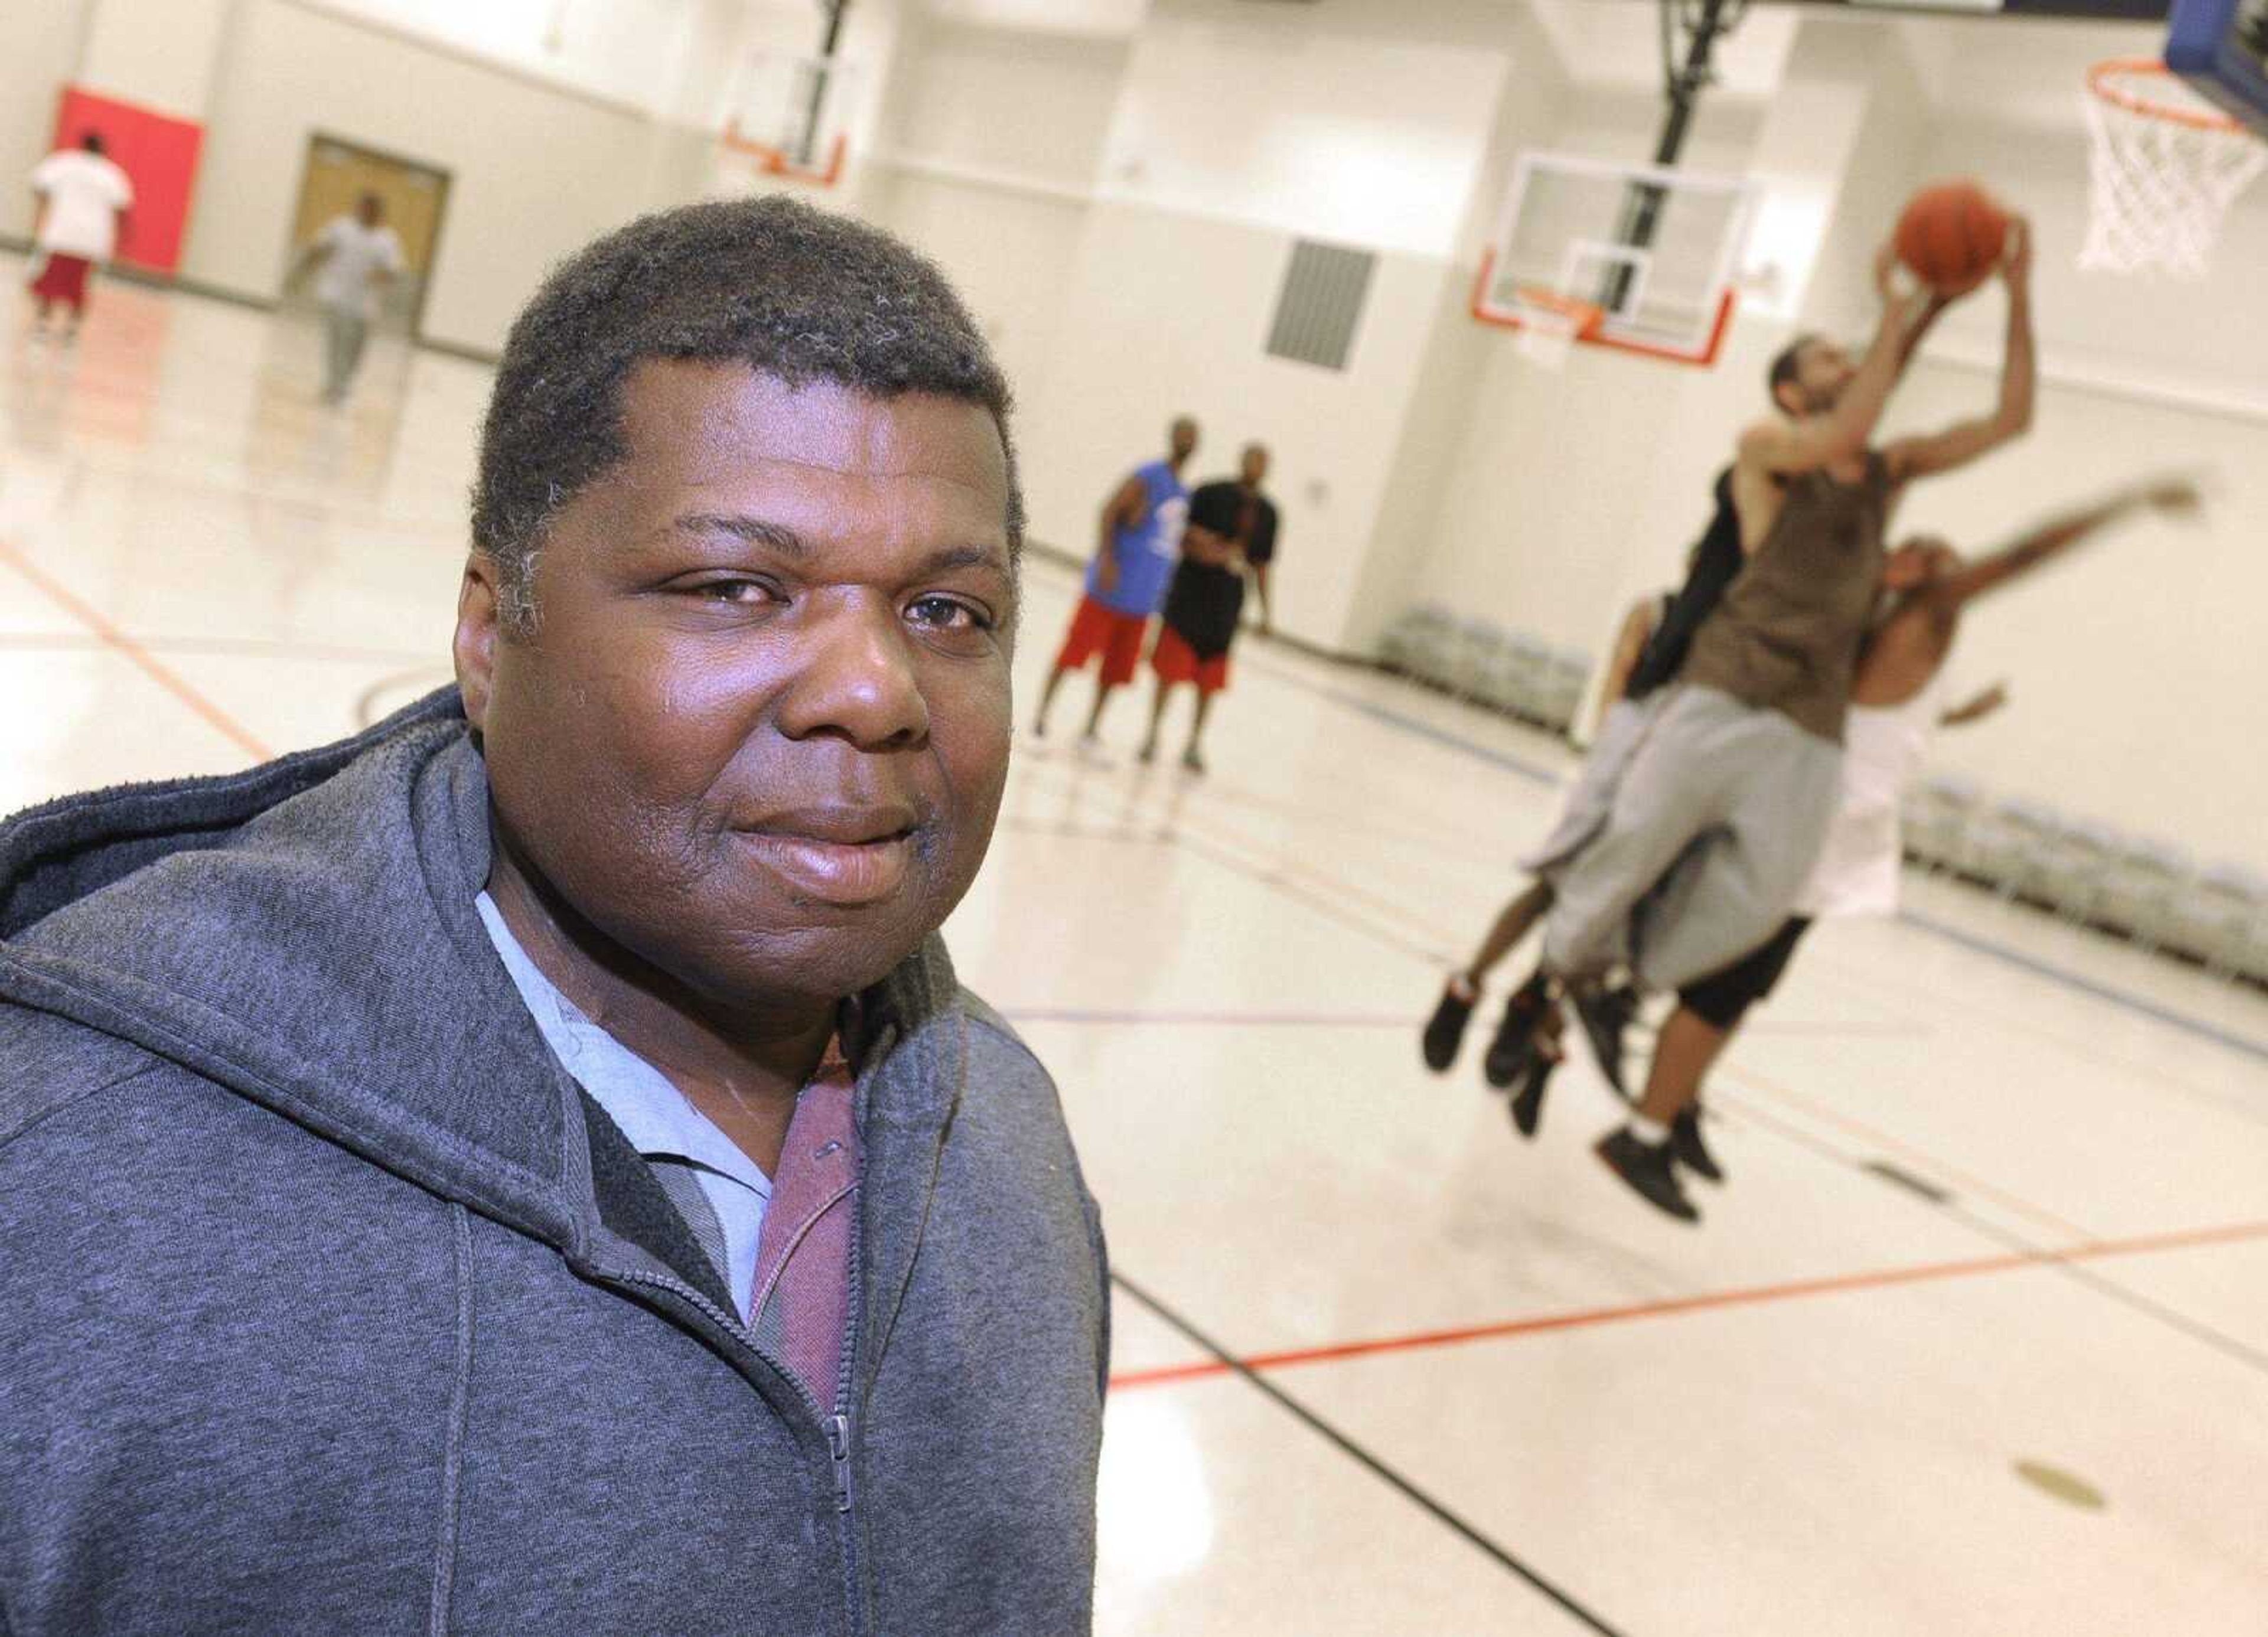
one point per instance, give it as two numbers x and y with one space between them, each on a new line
2012 416
2176 497
1843 432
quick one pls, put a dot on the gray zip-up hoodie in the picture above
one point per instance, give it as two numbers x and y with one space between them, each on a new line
329 1304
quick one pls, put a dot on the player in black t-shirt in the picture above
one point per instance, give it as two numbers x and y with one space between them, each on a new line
1231 536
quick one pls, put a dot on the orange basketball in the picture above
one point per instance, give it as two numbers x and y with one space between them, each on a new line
1953 236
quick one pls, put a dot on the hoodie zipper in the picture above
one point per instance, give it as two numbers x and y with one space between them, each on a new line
834 1425
838 1425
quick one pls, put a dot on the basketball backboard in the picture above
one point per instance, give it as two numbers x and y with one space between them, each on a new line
789 115
2221 47
1645 256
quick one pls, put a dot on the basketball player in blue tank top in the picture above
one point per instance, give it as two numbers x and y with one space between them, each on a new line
1141 537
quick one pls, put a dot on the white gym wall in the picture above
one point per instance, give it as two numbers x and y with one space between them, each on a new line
1118 186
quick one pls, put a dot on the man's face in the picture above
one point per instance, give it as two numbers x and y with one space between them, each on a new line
759 737
1182 438
371 210
1823 370
1255 465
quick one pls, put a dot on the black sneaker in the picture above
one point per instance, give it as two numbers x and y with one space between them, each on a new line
1513 1048
1686 1148
1528 1102
1648 1171
1607 1015
1445 1031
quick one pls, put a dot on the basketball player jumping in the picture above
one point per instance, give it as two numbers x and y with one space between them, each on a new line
1896 707
1714 563
1746 750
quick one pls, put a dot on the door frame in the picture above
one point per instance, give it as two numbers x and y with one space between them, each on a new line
387 156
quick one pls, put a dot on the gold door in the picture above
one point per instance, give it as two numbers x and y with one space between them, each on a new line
337 175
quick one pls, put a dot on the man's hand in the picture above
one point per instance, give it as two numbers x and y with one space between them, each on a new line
1105 573
1886 271
1905 298
2016 259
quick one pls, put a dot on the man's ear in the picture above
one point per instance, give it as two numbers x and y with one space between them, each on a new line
479 631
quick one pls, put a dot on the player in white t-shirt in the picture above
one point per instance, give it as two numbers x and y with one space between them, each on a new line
81 196
357 255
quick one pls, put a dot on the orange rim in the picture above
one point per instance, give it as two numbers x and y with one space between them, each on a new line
1583 314
772 162
2101 80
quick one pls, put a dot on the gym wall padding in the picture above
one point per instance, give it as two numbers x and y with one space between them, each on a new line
158 153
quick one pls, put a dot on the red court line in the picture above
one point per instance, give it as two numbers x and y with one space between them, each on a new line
158 673
1587 1318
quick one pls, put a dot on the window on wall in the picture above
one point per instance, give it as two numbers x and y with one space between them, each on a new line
1319 307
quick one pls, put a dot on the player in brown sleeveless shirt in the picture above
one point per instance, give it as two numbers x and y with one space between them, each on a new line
1787 636
1723 808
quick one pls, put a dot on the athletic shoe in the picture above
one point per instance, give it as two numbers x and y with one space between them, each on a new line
1513 1049
1445 1030
1191 760
1528 1102
1686 1148
1648 1171
1607 1015
1148 753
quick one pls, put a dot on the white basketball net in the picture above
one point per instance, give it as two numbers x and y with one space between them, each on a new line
1549 326
1547 335
2165 167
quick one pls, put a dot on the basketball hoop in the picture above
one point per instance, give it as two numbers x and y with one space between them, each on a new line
2166 165
787 118
1550 324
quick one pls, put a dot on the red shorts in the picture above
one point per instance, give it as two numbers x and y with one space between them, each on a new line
1176 662
1118 637
63 279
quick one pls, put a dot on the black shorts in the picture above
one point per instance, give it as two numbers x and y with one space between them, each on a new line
1723 997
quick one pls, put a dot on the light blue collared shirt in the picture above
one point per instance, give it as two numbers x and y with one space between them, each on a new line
652 1114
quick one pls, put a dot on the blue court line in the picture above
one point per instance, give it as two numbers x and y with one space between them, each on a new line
1443 737
2151 1010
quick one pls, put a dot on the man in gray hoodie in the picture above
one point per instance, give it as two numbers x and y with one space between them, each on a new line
531 1168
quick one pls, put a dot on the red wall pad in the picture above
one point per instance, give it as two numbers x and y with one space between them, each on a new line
158 153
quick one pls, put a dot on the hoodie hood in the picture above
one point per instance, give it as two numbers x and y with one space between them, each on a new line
305 933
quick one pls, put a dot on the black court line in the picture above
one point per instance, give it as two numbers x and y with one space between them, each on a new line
2048 1259
2172 1319
1220 855
1315 1423
1899 1177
